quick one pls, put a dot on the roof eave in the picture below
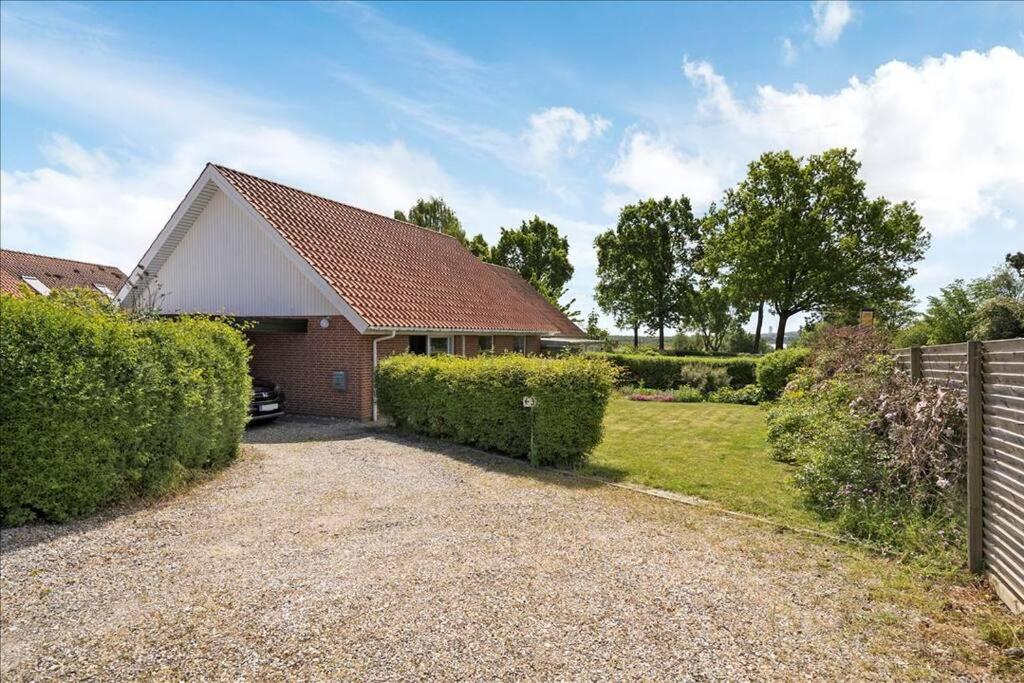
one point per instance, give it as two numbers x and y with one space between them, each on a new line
386 329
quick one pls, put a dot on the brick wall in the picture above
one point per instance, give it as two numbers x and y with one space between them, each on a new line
506 344
304 363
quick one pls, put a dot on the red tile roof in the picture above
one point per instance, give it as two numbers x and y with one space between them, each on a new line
55 273
396 274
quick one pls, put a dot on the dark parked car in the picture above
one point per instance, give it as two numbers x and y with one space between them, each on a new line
267 401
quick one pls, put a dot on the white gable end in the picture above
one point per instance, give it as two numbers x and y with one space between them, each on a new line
226 263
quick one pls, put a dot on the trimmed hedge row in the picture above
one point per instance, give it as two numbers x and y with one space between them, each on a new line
665 372
98 407
479 401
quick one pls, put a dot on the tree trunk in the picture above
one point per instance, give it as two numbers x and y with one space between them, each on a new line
757 330
661 335
636 336
780 336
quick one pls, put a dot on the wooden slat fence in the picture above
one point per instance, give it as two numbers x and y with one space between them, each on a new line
993 374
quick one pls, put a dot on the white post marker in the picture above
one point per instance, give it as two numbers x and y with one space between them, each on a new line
529 402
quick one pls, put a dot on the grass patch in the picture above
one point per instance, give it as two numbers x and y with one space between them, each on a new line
719 452
714 451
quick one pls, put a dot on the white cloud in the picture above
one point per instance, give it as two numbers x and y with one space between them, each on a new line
558 132
830 18
650 167
945 133
108 203
789 52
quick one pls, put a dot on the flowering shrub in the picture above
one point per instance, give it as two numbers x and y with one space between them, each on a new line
923 427
836 350
882 455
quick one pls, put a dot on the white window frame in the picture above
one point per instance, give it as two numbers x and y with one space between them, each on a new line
480 349
523 350
36 284
430 345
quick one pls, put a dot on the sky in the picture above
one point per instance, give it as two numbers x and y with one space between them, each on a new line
108 112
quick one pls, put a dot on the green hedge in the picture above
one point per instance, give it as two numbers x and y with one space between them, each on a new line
98 407
664 372
479 401
775 369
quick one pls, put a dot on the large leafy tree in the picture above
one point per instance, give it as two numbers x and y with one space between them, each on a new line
803 233
645 265
537 251
435 214
620 282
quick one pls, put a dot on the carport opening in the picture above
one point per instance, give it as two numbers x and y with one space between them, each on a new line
268 325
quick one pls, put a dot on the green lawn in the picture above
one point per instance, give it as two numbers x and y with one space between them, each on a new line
712 450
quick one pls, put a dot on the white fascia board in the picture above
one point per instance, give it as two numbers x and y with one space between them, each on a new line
164 235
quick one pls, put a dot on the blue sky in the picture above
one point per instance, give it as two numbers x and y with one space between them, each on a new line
109 111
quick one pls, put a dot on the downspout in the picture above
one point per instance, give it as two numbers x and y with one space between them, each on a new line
373 384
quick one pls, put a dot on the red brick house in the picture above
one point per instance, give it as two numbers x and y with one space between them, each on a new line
43 274
332 288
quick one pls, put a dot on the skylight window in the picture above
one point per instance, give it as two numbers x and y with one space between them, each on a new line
36 284
103 288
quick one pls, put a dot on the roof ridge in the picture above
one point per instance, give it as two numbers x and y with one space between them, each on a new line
222 167
60 258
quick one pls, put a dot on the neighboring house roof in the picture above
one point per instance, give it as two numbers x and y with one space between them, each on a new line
55 273
395 274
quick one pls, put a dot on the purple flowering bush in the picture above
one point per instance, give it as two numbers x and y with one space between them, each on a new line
882 456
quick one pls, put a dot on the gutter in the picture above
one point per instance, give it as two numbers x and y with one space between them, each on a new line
373 383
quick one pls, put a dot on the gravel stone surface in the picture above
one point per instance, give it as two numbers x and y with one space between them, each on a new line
372 556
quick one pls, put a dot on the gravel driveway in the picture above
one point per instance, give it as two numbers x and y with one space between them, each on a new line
371 556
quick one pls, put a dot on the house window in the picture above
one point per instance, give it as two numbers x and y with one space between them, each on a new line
36 284
486 344
103 289
439 345
519 344
418 344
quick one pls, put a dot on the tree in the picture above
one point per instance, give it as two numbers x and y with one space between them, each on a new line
711 314
747 282
999 318
436 215
950 315
595 331
804 234
619 280
479 248
646 263
1016 261
540 254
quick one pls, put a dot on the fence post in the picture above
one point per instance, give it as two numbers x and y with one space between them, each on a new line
974 458
915 363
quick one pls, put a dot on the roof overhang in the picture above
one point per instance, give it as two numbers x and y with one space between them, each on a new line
567 341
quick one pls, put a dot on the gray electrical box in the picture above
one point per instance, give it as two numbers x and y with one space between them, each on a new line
339 381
